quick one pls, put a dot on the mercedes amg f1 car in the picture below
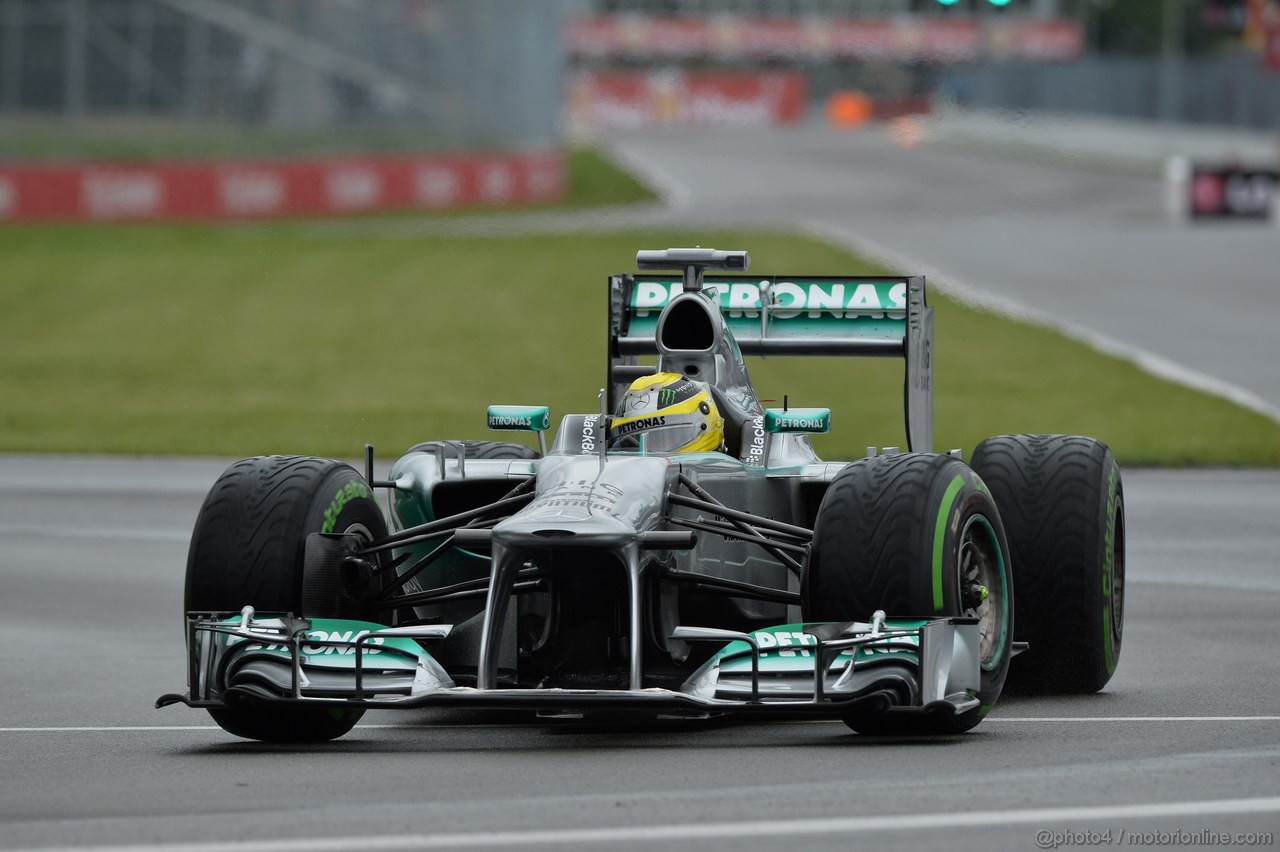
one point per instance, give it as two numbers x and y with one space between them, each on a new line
619 572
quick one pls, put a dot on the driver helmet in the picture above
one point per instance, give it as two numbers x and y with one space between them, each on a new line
668 413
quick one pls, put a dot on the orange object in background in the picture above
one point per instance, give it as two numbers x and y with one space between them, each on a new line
849 109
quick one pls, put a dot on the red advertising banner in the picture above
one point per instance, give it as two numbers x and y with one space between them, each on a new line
1218 192
1047 41
863 39
1271 48
946 41
768 38
642 99
908 38
249 189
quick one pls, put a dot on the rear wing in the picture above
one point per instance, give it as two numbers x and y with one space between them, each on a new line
878 316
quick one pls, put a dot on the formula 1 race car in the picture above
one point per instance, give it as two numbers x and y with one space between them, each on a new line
682 551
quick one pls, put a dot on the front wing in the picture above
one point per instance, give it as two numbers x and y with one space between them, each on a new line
816 670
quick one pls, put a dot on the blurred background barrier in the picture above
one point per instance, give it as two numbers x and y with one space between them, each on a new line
440 74
254 108
822 37
1211 62
240 189
1231 192
1214 191
626 99
141 109
1232 89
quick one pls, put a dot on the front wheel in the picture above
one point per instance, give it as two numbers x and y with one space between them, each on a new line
914 535
249 548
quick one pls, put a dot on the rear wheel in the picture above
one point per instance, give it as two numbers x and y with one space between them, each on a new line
914 535
249 548
1063 505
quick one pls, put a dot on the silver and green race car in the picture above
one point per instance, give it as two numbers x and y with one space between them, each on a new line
601 576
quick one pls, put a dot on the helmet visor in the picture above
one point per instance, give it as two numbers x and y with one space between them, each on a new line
670 439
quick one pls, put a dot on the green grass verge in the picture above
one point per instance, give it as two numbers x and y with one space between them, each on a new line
595 182
246 340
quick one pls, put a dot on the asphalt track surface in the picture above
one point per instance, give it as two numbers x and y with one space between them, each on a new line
1185 739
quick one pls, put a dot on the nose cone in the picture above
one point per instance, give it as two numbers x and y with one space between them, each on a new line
579 504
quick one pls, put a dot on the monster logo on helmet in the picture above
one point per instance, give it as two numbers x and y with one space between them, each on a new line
668 413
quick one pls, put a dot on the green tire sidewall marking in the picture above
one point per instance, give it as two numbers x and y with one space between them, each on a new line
352 490
1108 569
940 537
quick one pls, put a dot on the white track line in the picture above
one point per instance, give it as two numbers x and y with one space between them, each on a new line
1056 719
671 835
85 729
94 730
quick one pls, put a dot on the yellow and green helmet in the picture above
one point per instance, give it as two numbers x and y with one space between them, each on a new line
668 413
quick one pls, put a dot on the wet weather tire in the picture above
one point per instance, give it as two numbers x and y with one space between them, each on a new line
911 535
1062 501
249 548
